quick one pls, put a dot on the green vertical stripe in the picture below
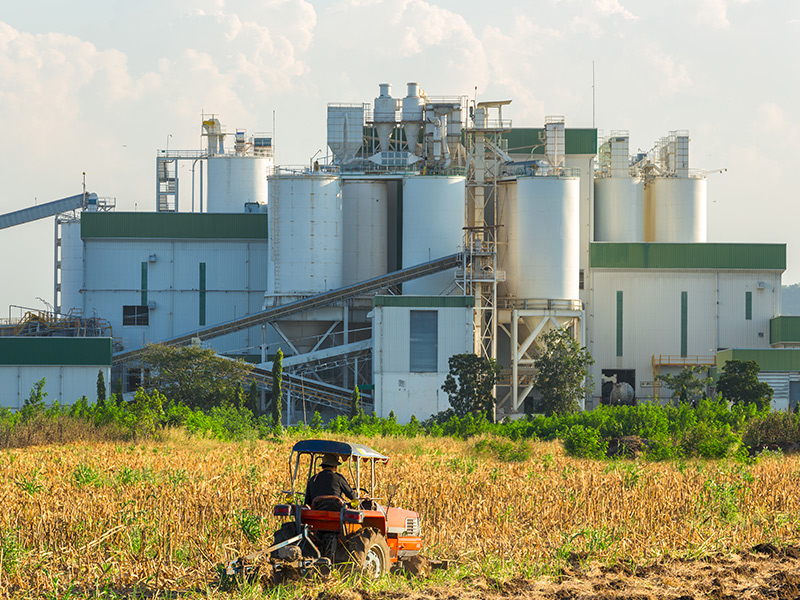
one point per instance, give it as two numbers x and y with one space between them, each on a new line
202 317
619 322
684 323
748 306
144 284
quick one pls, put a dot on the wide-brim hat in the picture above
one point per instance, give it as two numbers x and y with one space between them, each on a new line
331 460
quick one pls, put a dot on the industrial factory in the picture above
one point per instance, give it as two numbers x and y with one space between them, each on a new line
432 226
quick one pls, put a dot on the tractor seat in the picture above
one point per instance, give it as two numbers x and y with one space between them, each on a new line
327 503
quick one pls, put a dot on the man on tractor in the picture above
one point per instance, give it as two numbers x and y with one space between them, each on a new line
326 489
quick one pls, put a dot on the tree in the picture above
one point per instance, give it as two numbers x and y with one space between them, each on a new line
687 386
34 403
562 372
355 403
197 377
101 389
469 384
252 397
739 384
277 376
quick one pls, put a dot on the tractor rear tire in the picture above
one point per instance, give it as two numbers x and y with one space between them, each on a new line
367 552
287 531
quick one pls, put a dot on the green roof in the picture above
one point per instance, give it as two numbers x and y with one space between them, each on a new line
525 139
643 255
152 225
55 351
784 329
769 359
425 301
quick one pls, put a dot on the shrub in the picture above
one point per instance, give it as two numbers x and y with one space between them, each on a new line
582 442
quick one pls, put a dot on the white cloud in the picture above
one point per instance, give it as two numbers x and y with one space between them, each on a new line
674 77
715 12
613 7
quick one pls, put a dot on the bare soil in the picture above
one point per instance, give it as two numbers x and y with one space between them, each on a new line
765 572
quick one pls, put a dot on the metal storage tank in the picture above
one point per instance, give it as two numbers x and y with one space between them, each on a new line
677 210
618 209
543 224
306 226
71 266
234 181
433 222
365 213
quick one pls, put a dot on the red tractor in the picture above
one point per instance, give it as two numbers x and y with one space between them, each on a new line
362 533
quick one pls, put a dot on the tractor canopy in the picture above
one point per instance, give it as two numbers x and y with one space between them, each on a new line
355 456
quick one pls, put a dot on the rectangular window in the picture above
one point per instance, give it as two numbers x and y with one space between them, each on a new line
619 322
684 323
144 284
135 315
424 343
580 280
748 306
202 318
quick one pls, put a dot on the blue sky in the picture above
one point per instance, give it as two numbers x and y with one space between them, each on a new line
99 86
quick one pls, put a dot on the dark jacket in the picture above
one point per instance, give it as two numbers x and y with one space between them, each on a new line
328 483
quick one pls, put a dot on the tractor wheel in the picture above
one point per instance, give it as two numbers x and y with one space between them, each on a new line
288 530
367 552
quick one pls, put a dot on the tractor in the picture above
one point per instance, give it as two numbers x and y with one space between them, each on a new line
369 537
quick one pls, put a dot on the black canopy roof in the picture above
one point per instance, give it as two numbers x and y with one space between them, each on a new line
343 449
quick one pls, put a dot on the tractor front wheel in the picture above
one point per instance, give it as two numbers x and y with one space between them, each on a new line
367 551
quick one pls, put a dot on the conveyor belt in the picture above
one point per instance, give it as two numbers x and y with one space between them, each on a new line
306 304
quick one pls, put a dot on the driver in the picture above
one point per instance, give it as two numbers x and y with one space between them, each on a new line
328 482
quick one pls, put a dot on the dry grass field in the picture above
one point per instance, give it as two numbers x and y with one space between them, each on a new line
114 520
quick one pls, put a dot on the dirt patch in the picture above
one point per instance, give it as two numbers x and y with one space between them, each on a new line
766 572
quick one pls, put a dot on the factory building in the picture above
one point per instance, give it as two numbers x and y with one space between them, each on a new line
432 227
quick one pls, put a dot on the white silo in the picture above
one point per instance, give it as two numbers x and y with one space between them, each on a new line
234 181
678 209
306 225
433 222
383 116
543 230
618 197
71 266
365 214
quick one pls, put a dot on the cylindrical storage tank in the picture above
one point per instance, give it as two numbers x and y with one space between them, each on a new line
433 227
678 210
234 181
366 217
543 222
305 233
618 209
71 266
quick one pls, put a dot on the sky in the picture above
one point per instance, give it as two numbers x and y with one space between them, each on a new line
98 86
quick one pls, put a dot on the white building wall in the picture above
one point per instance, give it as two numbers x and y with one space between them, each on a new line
236 277
396 388
66 384
652 317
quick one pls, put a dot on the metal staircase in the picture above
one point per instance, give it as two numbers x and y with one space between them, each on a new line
362 288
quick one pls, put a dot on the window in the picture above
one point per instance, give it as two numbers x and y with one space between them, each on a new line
748 306
580 280
424 346
135 315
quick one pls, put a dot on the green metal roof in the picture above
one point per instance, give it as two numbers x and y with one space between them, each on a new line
525 139
784 329
425 301
613 255
55 351
174 225
769 359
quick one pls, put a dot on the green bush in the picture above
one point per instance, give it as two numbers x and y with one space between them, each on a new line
770 429
583 442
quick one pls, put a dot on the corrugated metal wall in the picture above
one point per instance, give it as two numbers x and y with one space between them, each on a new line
652 316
